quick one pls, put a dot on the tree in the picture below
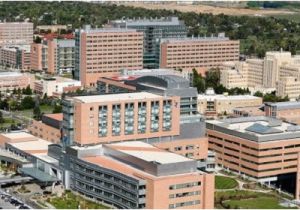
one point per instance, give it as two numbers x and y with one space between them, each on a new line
13 105
57 109
259 94
37 113
27 103
4 104
27 91
1 118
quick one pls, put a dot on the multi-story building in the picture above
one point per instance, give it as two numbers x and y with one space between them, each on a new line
234 74
212 104
12 33
105 52
15 80
137 175
154 30
198 53
49 128
278 71
38 58
16 56
261 148
52 28
288 86
126 116
189 140
61 55
272 62
288 111
55 56
55 86
121 83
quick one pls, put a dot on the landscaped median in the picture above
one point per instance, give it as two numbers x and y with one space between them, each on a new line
224 182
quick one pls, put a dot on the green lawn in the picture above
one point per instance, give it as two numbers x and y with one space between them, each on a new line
222 182
8 122
71 201
29 112
243 199
256 203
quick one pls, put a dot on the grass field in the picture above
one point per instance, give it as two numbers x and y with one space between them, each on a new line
292 17
46 109
222 182
72 201
247 200
8 122
256 203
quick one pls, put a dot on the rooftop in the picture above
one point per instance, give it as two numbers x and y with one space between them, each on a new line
257 128
10 74
148 152
118 97
35 146
18 135
14 48
57 116
150 22
225 97
285 105
88 29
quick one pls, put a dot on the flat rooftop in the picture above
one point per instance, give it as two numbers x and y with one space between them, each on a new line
118 97
148 152
168 21
38 144
209 97
256 128
285 105
10 74
18 135
57 116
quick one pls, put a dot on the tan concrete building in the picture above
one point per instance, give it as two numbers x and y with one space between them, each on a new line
212 104
15 80
260 148
164 180
288 86
288 111
49 128
105 52
52 28
272 63
16 56
55 86
104 118
242 74
37 60
198 53
12 33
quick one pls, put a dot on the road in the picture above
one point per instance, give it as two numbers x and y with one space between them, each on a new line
8 201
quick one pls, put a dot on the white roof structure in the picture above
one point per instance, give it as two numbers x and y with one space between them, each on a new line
118 97
38 144
143 151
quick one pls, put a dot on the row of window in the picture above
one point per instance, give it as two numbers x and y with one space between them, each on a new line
184 185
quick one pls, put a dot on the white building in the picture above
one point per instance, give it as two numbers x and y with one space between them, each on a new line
55 86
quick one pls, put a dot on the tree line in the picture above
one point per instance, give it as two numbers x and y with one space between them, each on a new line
257 34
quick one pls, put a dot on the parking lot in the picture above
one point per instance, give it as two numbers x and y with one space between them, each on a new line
10 202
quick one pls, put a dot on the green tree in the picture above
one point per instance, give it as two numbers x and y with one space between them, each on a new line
27 103
1 118
37 114
57 109
27 91
258 94
13 105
